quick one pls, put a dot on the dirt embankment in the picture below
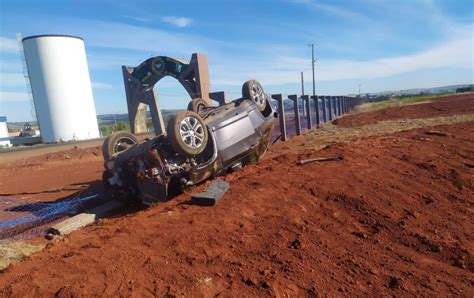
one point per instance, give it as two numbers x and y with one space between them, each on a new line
394 216
443 106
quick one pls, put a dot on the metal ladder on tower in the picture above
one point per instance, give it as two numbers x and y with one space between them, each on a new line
26 75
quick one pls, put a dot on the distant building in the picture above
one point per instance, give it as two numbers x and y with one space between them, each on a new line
4 137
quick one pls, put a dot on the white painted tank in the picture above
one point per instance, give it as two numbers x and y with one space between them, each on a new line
61 87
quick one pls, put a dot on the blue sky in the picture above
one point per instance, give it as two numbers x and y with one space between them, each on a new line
383 45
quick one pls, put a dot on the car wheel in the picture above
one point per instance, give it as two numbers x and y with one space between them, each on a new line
197 105
187 133
116 143
254 91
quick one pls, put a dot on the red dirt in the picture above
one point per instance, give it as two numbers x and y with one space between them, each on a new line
444 106
51 176
393 217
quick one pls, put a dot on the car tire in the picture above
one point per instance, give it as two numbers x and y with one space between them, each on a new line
117 142
197 105
187 133
254 91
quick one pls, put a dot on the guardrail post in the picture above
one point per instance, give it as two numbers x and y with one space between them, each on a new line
339 106
333 102
296 109
323 106
307 103
302 106
329 99
281 115
316 106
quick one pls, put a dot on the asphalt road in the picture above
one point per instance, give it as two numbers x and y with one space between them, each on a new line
8 155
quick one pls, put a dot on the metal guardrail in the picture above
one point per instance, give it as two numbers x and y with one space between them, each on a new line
320 108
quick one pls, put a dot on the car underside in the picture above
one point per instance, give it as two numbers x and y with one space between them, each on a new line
200 143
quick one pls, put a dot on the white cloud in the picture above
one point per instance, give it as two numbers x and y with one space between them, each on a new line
8 45
177 21
329 8
6 96
112 35
277 70
455 53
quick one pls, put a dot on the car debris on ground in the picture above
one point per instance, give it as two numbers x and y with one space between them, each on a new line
305 161
82 220
437 133
212 194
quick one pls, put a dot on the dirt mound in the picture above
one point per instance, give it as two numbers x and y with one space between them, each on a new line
393 216
444 106
75 153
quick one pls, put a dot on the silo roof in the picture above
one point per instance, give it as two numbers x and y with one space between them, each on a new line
52 35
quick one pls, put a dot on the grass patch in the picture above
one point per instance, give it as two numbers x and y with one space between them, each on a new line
395 102
329 133
12 251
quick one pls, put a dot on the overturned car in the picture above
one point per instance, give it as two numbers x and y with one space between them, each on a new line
200 143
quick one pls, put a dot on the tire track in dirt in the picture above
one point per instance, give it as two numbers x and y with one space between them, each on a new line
393 217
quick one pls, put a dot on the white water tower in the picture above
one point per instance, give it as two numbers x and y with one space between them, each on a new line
61 87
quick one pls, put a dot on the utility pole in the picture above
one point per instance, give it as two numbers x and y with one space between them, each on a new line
302 84
359 90
302 89
312 63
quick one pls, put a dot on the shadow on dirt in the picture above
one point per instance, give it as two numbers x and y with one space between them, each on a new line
40 192
26 221
195 202
91 186
20 220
